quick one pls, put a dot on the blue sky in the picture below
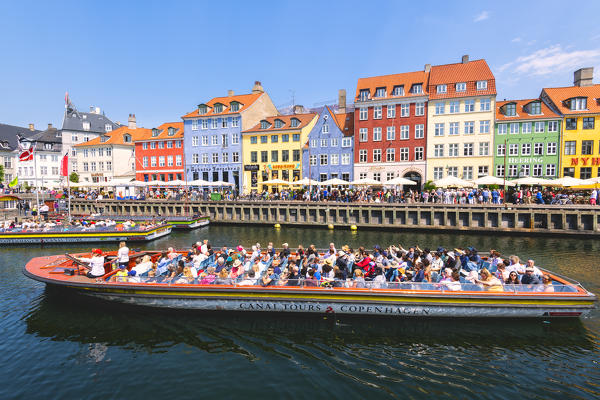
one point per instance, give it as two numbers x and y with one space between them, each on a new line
158 60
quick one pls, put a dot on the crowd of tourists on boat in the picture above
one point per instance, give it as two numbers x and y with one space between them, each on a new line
392 267
78 225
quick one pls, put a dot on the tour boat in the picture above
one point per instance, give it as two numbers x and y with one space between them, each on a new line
569 298
61 234
177 222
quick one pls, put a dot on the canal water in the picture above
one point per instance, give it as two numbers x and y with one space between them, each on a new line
67 346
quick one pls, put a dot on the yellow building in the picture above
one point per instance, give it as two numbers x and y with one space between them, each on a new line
272 149
580 140
460 120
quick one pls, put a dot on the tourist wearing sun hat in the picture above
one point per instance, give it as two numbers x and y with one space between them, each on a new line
96 263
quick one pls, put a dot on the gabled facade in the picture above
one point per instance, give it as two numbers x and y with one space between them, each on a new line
460 120
212 134
47 156
273 149
526 139
390 121
159 153
579 106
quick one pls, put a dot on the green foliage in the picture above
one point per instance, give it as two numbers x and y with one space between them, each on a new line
429 186
1 172
74 177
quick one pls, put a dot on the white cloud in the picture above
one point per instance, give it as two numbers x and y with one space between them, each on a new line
482 16
551 60
516 40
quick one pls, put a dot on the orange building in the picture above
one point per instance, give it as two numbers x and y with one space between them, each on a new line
159 153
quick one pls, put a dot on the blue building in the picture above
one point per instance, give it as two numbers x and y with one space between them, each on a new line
212 135
329 152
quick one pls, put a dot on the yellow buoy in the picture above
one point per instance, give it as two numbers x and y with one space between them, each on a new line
330 226
277 226
353 227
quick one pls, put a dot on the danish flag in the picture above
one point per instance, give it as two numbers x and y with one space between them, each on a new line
26 148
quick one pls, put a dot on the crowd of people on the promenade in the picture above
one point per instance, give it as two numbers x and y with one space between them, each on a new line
391 267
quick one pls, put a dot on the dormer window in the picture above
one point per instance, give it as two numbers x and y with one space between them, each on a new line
155 132
417 88
127 138
364 95
461 87
264 125
103 138
578 103
278 123
202 109
86 126
295 122
4 145
380 92
481 85
108 128
398 90
441 89
535 108
48 146
235 106
510 109
170 131
218 108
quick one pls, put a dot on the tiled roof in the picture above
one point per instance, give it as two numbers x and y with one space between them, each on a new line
245 100
521 113
470 73
8 135
558 96
73 121
116 137
304 119
344 121
407 79
164 132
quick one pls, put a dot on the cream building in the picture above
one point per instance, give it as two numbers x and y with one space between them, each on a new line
460 120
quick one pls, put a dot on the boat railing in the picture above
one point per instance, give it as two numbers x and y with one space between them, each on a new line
62 229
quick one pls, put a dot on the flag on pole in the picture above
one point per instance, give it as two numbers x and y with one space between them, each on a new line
14 182
26 148
64 165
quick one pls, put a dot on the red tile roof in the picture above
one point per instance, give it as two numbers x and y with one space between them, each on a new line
344 121
304 119
521 113
559 95
164 132
407 79
245 100
470 73
116 137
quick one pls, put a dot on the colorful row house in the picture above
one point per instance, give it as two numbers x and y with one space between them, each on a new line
390 124
527 136
213 135
273 150
159 153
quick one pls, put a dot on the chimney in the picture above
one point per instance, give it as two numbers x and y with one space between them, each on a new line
230 93
50 126
298 109
98 110
92 109
31 128
131 122
342 101
465 59
257 87
428 67
583 77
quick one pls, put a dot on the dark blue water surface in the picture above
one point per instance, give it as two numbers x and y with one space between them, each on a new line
57 345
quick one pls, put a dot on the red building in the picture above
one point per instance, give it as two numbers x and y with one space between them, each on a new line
159 153
390 121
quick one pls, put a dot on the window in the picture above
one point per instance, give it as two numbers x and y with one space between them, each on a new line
484 149
502 129
482 171
481 85
313 143
469 127
390 155
537 170
579 103
376 155
512 170
223 122
278 123
453 171
153 145
100 153
214 123
294 122
253 139
274 155
461 87
404 132
467 149
588 123
585 172
264 139
346 142
391 111
419 109
363 114
264 125
284 138
391 133
204 124
323 159
380 92
377 112
217 108
389 176
513 149
145 162
438 173
404 110
510 109
170 144
312 160
441 89
377 134
469 105
253 156
325 128
178 144
417 88
194 124
570 148
524 170
419 131
274 138
569 171
419 152
264 156
440 108
295 155
438 150
86 126
234 106
526 149
109 165
334 142
467 173
161 145
500 171
551 148
404 154
454 107
364 94
345 158
550 169
178 160
535 108
195 158
235 121
514 128
552 126
484 126
539 127
453 150
85 166
153 161
571 124
214 140
363 135
225 157
538 149
439 130
362 156
485 104
334 159
587 147
235 138
398 90
377 176
295 137
204 140
161 161
362 175
526 127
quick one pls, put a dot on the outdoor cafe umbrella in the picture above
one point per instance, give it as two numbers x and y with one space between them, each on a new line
199 182
567 181
334 182
530 181
221 183
276 182
492 180
452 181
176 182
365 182
400 181
306 182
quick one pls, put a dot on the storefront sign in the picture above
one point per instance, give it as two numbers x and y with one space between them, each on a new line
251 167
525 160
585 161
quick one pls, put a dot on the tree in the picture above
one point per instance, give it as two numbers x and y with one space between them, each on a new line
1 172
74 177
429 185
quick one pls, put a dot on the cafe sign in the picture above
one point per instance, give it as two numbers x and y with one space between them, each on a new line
585 161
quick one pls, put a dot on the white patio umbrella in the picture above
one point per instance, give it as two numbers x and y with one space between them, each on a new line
365 182
452 181
137 183
154 183
199 182
334 182
400 181
221 183
531 181
276 182
176 182
492 180
567 181
306 182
